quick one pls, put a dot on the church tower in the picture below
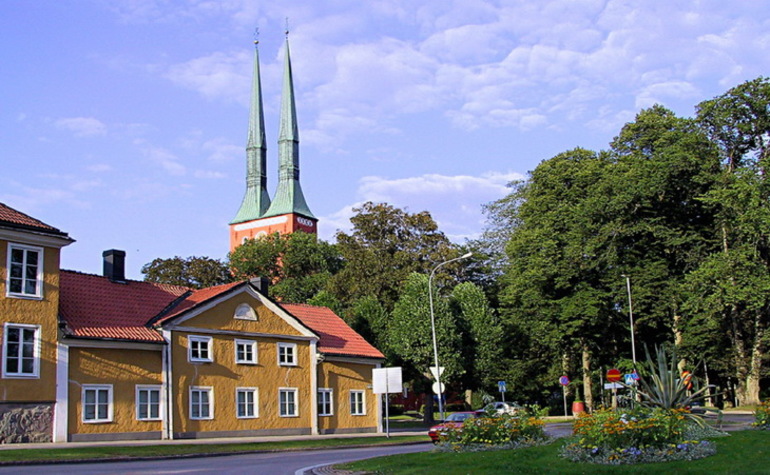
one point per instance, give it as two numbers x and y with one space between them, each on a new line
288 212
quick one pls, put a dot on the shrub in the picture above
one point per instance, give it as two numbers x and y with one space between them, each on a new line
498 430
396 410
762 416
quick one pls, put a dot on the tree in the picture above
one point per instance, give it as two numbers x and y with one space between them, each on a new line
298 265
385 245
195 272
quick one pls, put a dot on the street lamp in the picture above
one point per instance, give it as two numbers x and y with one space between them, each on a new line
631 318
433 330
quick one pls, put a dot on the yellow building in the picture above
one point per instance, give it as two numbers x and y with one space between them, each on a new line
139 360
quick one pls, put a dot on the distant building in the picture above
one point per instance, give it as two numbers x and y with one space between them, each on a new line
288 211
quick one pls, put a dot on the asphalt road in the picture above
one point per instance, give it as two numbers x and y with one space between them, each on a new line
278 463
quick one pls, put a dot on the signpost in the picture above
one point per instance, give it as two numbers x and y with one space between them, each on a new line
501 387
564 381
613 376
386 381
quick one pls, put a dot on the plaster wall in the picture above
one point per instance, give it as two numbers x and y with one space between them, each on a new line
343 377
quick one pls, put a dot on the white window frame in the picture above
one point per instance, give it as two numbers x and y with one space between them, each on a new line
289 350
97 389
246 343
38 278
149 389
35 374
283 404
325 402
357 398
198 340
254 403
201 390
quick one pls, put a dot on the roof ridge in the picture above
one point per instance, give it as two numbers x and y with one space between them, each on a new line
156 284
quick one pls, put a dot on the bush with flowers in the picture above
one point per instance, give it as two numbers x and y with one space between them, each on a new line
762 416
496 431
636 436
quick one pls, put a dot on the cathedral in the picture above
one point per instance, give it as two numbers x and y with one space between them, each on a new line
288 211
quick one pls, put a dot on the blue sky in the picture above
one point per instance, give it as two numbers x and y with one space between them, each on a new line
123 122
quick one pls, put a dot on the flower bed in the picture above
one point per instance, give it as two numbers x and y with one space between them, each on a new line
498 431
762 416
641 435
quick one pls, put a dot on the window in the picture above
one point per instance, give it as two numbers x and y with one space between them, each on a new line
148 403
201 403
25 271
287 401
97 403
357 407
287 354
245 352
21 350
199 348
246 402
245 312
325 402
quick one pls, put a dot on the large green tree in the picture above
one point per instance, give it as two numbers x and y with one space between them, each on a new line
195 272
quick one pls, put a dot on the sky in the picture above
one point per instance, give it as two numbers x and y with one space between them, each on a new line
124 122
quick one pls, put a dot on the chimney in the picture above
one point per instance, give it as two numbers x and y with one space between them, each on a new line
115 265
261 284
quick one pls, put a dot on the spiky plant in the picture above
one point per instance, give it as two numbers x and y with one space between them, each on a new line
662 386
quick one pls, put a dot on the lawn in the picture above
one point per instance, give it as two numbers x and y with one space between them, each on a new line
744 452
72 452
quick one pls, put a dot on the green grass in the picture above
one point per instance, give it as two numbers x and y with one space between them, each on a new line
744 452
54 454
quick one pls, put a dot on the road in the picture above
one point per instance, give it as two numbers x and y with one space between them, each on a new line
278 463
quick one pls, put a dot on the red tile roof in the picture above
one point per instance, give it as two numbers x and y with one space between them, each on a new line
14 218
92 306
337 338
95 307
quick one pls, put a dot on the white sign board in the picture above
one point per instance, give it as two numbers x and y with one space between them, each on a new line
435 373
387 380
613 386
438 389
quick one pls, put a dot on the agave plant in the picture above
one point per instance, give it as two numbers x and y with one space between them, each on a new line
662 386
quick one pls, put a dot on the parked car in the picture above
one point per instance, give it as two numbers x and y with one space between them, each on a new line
452 421
502 407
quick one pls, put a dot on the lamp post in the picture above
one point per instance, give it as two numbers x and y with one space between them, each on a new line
631 318
433 331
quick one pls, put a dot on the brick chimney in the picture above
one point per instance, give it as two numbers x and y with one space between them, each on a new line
115 265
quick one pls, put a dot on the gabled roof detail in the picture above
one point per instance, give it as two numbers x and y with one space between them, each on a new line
336 337
92 306
194 299
288 197
12 218
256 200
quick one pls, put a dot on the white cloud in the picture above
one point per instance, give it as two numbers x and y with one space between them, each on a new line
225 75
166 160
82 126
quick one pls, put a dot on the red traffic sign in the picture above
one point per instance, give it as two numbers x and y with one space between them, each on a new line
613 375
564 380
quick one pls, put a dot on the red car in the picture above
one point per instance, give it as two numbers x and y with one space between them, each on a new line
453 420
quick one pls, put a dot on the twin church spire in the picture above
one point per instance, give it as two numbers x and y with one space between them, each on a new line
288 211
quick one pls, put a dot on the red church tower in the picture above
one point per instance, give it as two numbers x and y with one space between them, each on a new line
288 212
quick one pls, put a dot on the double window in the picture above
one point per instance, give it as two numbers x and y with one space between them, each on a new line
246 403
325 397
245 352
21 351
199 349
148 403
287 402
287 354
25 271
97 403
357 405
201 403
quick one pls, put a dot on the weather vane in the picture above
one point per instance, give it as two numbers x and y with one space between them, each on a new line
256 35
287 27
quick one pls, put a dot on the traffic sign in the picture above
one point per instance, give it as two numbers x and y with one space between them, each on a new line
564 380
435 373
501 386
635 375
629 379
437 389
613 375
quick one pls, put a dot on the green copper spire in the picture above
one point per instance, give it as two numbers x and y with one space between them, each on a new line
256 200
288 196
